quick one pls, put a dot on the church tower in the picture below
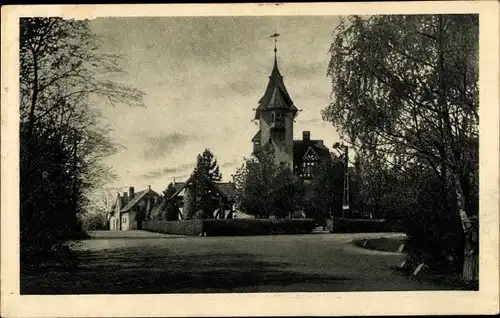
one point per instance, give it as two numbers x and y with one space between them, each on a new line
276 113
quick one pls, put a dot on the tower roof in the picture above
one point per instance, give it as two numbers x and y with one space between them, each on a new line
276 96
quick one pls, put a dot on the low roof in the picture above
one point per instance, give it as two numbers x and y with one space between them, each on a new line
256 137
226 189
137 197
300 148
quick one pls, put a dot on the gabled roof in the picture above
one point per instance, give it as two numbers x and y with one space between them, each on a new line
178 185
226 189
276 96
256 137
300 147
309 151
137 197
123 202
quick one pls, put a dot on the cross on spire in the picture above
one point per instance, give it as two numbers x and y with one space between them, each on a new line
275 36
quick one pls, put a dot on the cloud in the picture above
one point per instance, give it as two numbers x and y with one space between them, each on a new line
159 146
306 70
230 163
238 87
160 173
310 121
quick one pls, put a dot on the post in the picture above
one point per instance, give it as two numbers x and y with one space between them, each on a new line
74 186
345 203
221 209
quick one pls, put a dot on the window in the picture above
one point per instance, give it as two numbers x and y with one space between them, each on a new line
273 115
124 220
307 169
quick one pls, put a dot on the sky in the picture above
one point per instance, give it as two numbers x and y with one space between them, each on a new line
202 78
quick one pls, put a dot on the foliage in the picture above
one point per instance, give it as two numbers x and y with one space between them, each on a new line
200 192
98 210
172 210
264 188
207 164
374 178
181 227
236 227
62 77
95 221
323 196
406 95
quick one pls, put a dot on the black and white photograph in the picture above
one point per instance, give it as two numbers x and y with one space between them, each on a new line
242 154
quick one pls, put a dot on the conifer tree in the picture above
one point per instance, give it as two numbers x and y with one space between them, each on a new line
200 196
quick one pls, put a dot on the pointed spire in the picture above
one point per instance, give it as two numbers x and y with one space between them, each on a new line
276 95
275 36
275 57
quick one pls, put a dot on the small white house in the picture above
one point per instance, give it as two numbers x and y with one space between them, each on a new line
131 208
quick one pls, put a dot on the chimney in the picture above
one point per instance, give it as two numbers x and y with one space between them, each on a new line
131 192
306 135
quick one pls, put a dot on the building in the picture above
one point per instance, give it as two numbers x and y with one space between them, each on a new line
130 209
307 154
276 113
224 197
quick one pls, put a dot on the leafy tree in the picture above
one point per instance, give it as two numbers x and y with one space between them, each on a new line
166 209
171 211
373 182
406 89
323 196
62 77
263 188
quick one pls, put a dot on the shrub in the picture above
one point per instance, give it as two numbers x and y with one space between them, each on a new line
435 239
199 215
236 227
359 225
231 227
297 215
182 227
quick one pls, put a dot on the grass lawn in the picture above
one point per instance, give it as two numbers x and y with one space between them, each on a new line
283 263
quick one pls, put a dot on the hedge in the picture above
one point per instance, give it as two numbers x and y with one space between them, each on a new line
366 225
182 227
258 227
232 227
